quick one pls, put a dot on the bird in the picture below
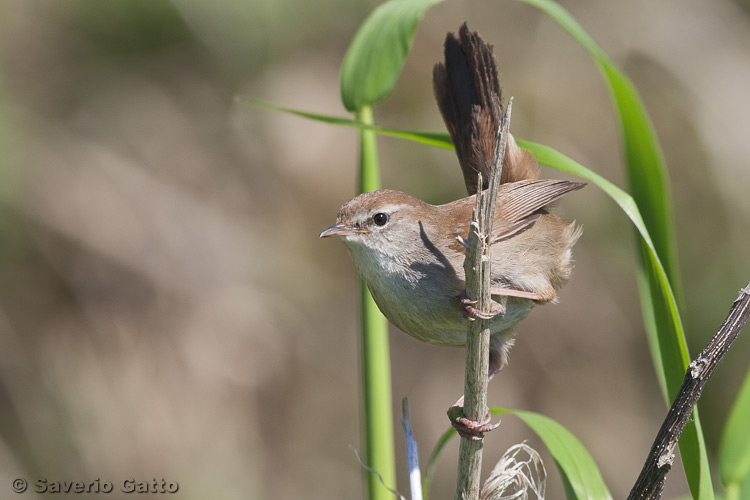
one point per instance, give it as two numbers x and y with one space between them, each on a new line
410 253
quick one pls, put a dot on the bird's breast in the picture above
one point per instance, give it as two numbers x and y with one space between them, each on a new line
418 295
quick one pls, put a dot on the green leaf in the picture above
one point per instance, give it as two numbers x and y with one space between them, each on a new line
734 450
647 178
744 493
439 139
647 173
432 462
580 474
378 51
551 158
581 477
649 183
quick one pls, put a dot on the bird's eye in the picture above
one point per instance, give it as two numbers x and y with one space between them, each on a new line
380 219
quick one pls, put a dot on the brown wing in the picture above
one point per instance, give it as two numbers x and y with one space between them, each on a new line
518 207
518 203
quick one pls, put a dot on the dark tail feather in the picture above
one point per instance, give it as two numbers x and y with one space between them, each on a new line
468 94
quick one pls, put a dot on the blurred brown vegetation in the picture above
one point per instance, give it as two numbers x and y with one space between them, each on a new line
166 309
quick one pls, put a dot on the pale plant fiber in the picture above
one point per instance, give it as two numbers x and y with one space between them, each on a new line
518 474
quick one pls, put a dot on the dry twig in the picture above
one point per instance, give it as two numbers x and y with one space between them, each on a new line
659 461
477 269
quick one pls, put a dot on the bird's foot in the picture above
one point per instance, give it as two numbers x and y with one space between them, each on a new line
471 313
467 428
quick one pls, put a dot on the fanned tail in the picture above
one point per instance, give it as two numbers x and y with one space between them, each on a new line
468 94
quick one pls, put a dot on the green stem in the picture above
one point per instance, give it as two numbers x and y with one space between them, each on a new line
732 492
369 173
375 356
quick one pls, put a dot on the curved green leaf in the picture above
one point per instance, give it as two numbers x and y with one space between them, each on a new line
578 470
643 156
580 474
648 180
692 444
734 450
649 183
378 51
552 158
432 462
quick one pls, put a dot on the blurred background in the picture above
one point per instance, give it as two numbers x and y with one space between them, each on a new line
167 310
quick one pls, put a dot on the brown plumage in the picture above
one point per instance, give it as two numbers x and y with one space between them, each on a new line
407 250
408 253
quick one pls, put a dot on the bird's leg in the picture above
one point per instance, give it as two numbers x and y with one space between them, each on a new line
468 428
545 295
470 312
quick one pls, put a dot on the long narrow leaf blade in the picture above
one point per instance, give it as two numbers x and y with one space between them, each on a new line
432 462
377 53
647 176
646 168
649 183
734 451
581 476
439 139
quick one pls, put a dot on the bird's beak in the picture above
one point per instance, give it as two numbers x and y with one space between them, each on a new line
341 229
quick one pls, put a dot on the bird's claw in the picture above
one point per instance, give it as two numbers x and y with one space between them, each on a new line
467 428
471 313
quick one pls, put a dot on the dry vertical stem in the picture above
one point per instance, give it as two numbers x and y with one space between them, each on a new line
477 269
